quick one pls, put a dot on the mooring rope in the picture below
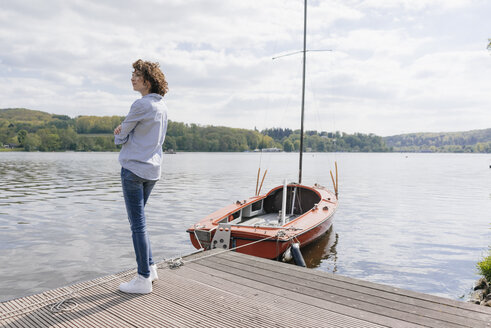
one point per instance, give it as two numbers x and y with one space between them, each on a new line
64 305
68 303
176 263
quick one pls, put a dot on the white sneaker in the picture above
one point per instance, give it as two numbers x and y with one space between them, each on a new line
139 285
153 273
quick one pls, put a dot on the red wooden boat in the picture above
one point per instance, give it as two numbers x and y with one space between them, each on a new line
256 226
267 225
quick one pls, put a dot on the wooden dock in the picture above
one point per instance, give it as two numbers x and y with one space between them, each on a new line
229 289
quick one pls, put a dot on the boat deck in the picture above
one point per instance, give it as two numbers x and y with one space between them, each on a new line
229 289
265 220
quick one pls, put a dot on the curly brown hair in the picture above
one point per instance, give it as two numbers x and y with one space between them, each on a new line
151 72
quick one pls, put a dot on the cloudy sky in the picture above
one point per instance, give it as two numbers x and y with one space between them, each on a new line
396 66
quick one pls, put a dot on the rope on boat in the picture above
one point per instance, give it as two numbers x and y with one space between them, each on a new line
176 263
68 303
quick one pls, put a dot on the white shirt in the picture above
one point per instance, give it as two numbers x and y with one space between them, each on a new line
142 136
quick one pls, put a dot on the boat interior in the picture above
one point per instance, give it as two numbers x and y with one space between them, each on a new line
267 211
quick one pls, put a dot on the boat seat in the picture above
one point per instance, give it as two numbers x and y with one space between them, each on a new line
236 221
252 222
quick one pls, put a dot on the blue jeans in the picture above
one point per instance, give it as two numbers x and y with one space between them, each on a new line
136 191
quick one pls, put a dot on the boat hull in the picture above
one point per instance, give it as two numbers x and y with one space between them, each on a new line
274 248
264 241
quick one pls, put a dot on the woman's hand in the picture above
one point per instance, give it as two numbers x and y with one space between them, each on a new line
117 130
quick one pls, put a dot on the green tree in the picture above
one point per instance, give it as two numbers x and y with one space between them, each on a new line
287 145
296 145
50 140
253 139
32 142
266 142
68 139
21 137
170 143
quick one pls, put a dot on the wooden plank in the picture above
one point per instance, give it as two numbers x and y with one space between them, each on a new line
316 274
221 304
87 314
439 304
404 306
104 307
257 293
215 289
314 302
370 303
25 322
162 311
239 304
38 307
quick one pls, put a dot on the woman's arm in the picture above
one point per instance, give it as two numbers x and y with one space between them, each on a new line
135 115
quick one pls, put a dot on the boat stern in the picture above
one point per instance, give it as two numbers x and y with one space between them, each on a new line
200 238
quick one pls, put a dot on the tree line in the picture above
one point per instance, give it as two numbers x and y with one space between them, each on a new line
29 130
475 141
289 140
39 131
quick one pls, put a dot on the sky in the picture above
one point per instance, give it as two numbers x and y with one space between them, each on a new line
388 66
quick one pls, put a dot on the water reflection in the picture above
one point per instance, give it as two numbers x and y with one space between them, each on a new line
322 251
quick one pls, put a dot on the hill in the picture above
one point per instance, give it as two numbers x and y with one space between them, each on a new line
23 115
466 141
36 130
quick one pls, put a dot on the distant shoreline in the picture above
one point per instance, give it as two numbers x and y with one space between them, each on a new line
2 150
40 131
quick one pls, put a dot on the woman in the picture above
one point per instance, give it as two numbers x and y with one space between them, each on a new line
142 135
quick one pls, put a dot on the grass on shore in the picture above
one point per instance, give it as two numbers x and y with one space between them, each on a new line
484 267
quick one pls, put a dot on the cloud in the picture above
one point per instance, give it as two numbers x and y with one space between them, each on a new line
394 66
413 5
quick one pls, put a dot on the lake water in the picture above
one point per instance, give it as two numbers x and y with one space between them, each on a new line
414 221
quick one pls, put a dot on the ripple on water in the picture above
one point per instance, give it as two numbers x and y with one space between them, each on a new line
419 222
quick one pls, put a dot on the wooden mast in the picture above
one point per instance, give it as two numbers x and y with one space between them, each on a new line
303 89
